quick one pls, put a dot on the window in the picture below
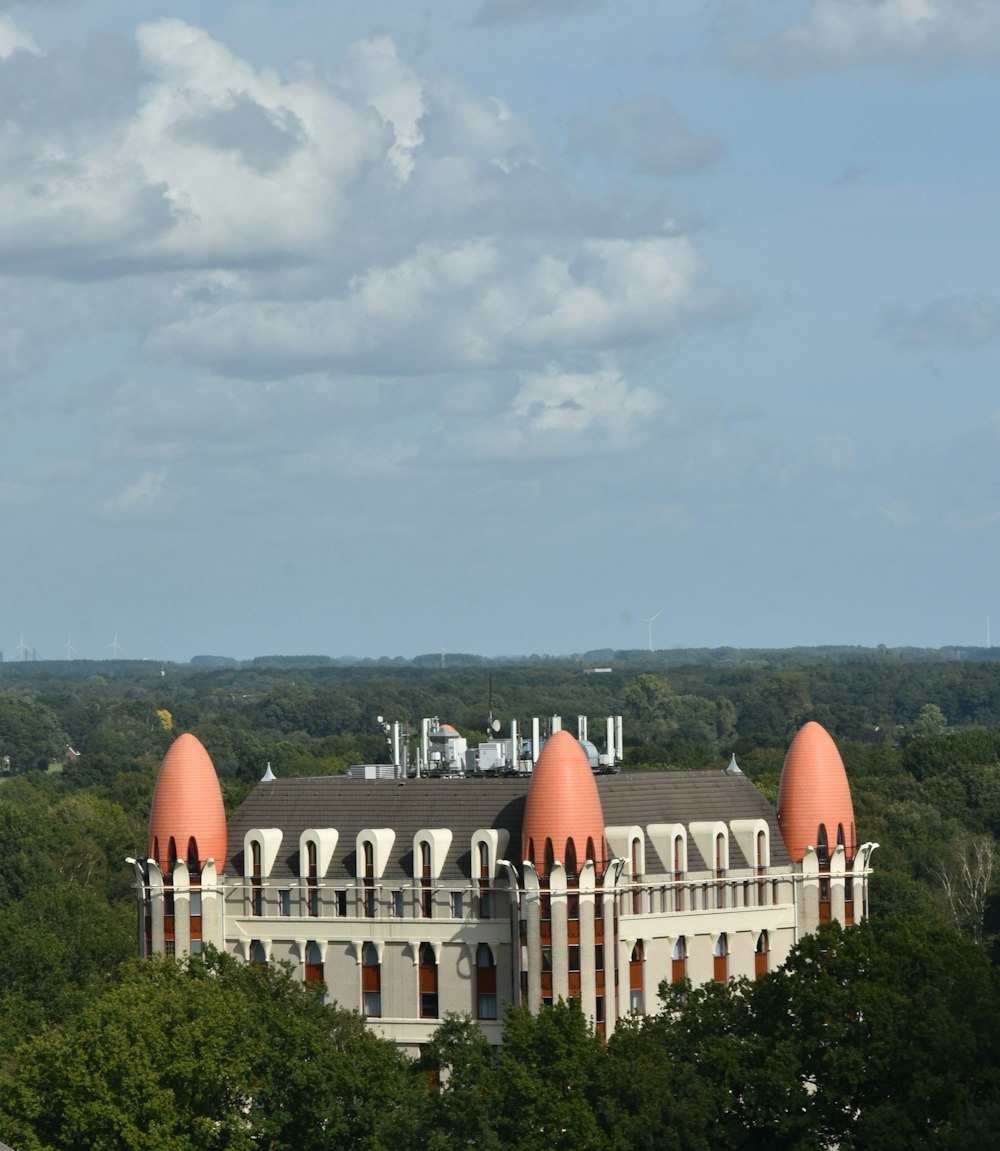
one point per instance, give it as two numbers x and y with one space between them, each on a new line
194 860
195 918
314 963
720 870
486 983
426 893
485 895
720 970
823 847
312 881
196 947
371 982
397 904
678 873
636 1000
636 876
761 866
341 897
258 955
369 887
428 976
457 904
169 947
678 966
256 882
760 954
284 901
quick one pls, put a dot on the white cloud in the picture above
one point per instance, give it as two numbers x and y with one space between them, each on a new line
839 33
13 38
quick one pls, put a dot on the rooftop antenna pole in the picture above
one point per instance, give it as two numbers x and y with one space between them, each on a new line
649 623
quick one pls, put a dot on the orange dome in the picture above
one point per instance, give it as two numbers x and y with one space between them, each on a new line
188 819
815 798
563 819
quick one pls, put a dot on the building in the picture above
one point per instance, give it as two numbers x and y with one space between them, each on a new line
411 897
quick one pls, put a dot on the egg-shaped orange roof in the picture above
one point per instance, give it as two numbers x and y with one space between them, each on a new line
563 807
187 808
814 793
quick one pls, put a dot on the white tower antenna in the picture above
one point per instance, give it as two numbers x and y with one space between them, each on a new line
69 648
649 623
116 651
22 647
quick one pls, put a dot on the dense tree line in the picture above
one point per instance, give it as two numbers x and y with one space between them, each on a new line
884 1035
921 741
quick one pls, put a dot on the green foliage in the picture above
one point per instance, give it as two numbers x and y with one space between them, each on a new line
205 1055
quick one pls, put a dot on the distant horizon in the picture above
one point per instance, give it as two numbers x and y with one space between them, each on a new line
429 659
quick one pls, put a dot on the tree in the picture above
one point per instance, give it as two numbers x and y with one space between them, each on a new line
550 1067
205 1055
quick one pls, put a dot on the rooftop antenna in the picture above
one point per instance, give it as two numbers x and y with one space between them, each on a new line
69 648
649 623
116 651
22 647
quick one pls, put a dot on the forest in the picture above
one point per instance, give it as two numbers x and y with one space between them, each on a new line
880 1035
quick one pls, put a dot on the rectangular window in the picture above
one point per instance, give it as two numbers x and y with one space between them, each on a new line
196 946
487 1006
373 1004
428 1005
169 947
342 903
457 904
485 902
599 957
195 901
397 904
635 1001
312 901
574 958
369 903
285 901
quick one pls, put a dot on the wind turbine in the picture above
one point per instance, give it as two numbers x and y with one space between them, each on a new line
69 648
649 623
22 647
116 651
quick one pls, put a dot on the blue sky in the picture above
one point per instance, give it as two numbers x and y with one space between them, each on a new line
497 325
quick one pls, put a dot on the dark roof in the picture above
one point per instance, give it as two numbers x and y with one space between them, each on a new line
466 805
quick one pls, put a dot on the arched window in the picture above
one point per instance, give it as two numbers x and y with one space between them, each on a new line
678 873
258 953
486 983
193 860
720 972
171 854
761 868
571 868
371 982
550 856
636 878
485 894
314 963
761 952
720 870
428 982
591 852
256 881
636 1000
823 847
369 881
312 880
426 891
678 966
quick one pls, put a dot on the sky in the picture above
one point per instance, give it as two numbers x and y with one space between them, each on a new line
497 326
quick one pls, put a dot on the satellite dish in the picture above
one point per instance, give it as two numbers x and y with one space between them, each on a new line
495 725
